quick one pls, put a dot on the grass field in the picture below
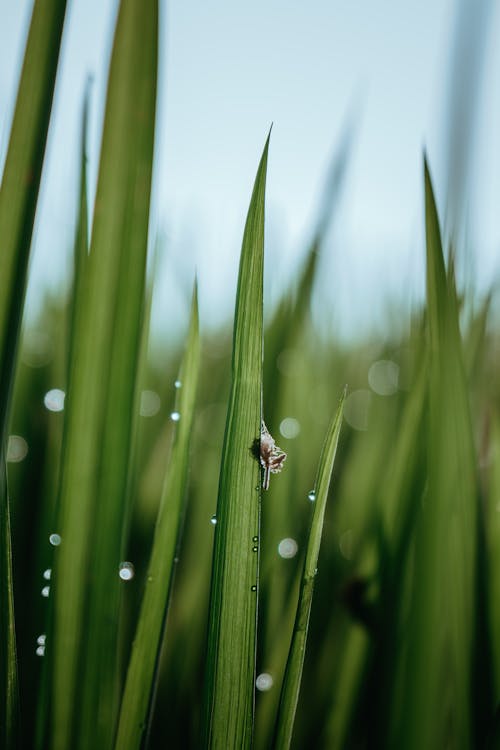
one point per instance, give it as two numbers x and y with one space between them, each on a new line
152 591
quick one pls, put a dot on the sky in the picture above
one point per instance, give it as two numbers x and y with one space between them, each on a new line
227 71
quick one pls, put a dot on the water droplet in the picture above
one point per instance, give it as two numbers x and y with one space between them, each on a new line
253 588
54 399
17 449
176 560
55 540
264 682
213 520
41 639
255 539
290 428
177 384
126 571
287 548
40 651
47 574
175 416
150 404
255 549
46 591
312 496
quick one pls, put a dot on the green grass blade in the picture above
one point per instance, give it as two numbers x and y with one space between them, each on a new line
9 706
437 706
18 198
229 690
293 673
105 341
21 178
138 695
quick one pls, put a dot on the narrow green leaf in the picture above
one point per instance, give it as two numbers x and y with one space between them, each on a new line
21 178
293 673
229 689
436 709
101 393
9 708
18 198
138 696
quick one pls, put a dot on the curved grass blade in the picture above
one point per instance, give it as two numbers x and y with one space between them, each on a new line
105 344
293 673
18 198
138 696
21 178
229 689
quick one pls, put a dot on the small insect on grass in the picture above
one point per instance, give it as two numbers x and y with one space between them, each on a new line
272 458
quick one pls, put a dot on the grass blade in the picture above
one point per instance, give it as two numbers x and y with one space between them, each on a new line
229 690
437 706
18 198
138 695
105 343
293 673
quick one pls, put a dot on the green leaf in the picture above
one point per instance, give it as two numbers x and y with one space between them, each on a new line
436 709
18 199
295 663
229 689
97 443
138 696
21 178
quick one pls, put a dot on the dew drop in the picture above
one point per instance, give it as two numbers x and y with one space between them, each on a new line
177 384
55 540
126 571
40 651
47 574
255 549
175 416
253 588
17 449
264 682
213 520
255 539
287 548
54 399
46 591
312 496
41 639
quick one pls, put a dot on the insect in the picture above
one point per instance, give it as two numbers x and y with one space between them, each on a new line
272 458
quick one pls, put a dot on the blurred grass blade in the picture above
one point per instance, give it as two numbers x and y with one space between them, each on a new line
105 343
18 198
138 696
21 178
437 706
293 673
229 688
9 707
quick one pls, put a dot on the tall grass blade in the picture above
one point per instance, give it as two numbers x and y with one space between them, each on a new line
437 689
18 198
139 686
9 708
105 343
229 690
293 673
21 178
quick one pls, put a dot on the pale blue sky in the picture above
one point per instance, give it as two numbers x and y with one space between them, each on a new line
229 70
